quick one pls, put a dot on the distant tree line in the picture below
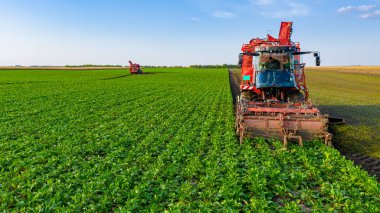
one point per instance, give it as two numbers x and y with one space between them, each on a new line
94 65
196 66
215 66
153 66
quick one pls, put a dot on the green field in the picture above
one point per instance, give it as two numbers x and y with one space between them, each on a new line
104 140
352 93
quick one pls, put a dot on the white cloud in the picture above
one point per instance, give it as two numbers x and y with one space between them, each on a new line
222 14
364 11
345 9
372 15
361 8
365 8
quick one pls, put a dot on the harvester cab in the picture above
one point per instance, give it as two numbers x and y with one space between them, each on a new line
274 100
134 68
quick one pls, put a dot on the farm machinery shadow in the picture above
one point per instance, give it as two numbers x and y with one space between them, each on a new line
115 77
359 138
128 75
354 114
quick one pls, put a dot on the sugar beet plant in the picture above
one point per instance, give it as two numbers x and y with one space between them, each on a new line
109 141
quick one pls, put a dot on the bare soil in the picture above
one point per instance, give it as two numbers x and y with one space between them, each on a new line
234 84
372 165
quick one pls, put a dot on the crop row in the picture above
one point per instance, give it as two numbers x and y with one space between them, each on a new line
160 141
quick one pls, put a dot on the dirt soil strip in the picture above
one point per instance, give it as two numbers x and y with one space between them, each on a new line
234 85
371 165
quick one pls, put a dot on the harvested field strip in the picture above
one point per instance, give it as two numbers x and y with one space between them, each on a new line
342 88
354 97
367 70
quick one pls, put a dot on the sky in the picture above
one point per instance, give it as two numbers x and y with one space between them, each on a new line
182 32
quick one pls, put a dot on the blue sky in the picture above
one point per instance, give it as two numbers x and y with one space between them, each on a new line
181 32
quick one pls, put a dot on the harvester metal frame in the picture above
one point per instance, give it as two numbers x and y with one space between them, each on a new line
267 111
134 68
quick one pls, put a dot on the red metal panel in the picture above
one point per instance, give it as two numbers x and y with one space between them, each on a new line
273 126
285 33
284 111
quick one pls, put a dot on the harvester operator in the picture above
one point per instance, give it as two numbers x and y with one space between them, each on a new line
272 64
139 71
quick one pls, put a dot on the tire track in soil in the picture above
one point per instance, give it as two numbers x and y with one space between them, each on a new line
371 165
234 85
